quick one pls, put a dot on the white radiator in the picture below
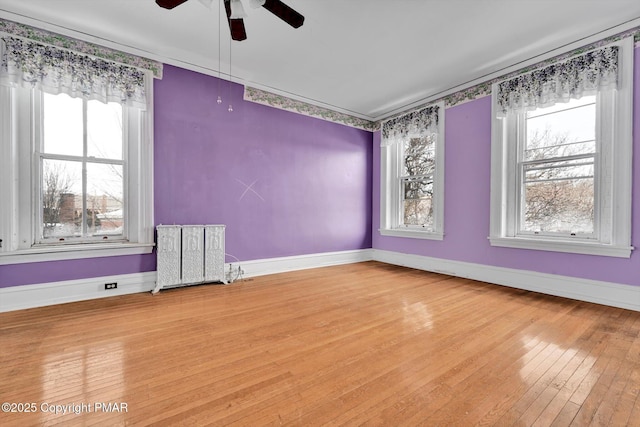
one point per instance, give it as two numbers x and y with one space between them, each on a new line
189 254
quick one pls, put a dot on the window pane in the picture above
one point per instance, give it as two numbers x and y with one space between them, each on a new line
561 206
576 168
565 129
547 150
104 130
419 156
418 212
63 128
418 188
558 195
105 208
61 198
418 202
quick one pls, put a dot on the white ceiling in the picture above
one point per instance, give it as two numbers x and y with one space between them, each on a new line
368 58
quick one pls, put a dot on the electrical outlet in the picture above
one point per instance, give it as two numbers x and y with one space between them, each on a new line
109 286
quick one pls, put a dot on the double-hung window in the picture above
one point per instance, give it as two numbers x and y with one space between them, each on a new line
557 166
76 162
561 155
412 162
81 163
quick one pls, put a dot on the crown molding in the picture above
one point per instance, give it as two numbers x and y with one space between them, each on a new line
281 102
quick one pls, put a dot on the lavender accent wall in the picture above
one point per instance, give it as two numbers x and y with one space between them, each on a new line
467 187
284 184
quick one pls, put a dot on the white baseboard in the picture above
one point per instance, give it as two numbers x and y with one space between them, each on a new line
612 294
262 267
606 293
43 294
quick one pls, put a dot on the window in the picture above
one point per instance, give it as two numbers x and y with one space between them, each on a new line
412 164
81 159
556 170
78 178
561 171
75 166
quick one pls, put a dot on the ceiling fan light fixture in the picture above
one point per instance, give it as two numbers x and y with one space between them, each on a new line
235 13
237 10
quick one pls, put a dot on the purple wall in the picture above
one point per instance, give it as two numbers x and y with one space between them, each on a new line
283 183
467 188
54 271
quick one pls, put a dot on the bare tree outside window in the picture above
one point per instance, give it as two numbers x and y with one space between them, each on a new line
557 170
56 197
417 181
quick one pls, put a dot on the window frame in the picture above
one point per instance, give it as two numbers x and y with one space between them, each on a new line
613 170
40 156
391 207
521 164
20 165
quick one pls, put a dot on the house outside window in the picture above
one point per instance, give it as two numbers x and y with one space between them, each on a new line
412 166
561 155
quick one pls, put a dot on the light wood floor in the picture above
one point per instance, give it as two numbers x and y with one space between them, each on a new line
366 343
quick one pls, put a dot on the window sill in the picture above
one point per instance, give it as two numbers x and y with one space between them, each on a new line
587 248
412 234
69 252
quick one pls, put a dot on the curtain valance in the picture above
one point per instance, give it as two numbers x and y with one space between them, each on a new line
56 70
416 124
27 32
571 79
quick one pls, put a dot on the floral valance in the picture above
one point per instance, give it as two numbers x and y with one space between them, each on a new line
560 82
56 70
416 124
28 32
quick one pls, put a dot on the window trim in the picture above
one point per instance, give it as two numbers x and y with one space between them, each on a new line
390 189
128 116
16 123
520 167
618 127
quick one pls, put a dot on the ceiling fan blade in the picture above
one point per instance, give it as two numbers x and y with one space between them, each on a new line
169 4
284 12
236 26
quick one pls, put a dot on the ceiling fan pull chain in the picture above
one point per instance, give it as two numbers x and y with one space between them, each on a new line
219 100
230 109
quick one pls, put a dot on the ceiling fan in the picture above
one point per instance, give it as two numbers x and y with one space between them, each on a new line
236 24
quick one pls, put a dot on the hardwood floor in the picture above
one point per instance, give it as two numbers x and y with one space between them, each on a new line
360 344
